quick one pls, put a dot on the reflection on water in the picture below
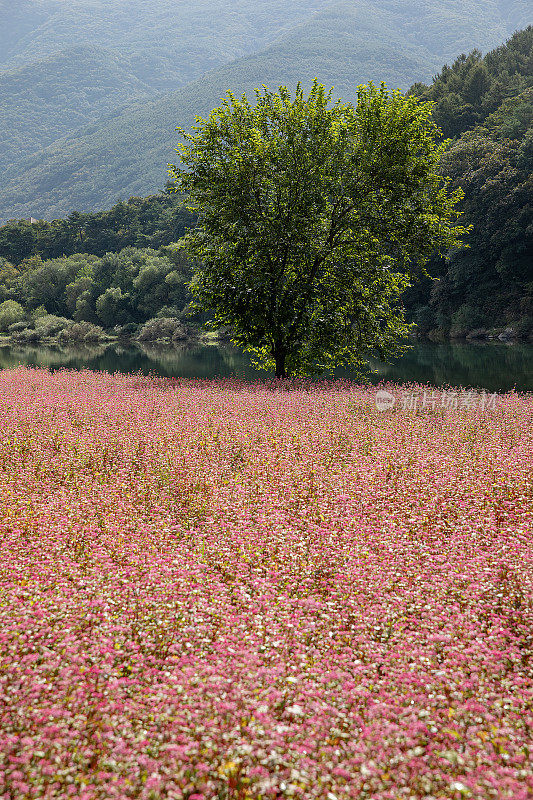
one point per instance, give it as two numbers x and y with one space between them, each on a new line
186 361
495 367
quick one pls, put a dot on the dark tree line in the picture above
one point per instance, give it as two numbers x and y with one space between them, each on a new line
140 222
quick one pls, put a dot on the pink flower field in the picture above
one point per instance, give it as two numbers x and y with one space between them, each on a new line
230 591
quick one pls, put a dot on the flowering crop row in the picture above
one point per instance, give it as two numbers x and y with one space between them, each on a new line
213 590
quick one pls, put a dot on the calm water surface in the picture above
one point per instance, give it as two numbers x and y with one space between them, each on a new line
494 367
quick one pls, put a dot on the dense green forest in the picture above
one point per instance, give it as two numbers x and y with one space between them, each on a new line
117 267
125 288
490 282
96 152
476 86
122 266
141 222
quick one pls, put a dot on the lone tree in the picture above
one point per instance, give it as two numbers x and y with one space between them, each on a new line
313 218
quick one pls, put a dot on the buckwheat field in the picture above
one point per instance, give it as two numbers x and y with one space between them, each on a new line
215 590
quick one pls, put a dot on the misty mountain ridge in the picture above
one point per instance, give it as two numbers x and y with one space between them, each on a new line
81 128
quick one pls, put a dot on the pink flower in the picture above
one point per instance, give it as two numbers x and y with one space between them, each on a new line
214 588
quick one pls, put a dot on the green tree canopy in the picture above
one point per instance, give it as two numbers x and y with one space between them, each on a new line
313 216
475 86
494 276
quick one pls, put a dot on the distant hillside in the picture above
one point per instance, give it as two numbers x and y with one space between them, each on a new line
64 64
345 44
48 99
168 42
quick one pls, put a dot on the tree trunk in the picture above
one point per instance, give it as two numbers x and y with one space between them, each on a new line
280 357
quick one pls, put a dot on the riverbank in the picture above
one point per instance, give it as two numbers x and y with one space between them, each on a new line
54 331
80 334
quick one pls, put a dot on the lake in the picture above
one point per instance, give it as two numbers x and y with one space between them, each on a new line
496 367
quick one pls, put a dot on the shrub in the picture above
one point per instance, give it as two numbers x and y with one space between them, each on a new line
26 336
19 326
79 332
50 324
10 312
163 328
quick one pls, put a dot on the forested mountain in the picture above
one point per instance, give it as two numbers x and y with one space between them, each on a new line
166 42
475 86
46 100
66 64
169 42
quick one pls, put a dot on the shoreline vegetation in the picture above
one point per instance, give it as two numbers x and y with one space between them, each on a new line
168 332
